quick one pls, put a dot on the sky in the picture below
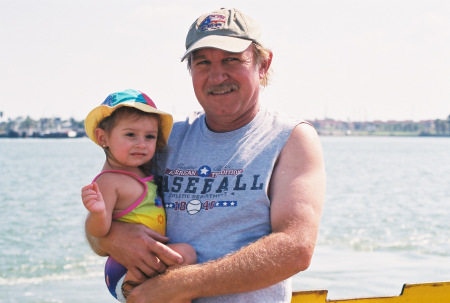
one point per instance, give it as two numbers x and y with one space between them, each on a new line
352 60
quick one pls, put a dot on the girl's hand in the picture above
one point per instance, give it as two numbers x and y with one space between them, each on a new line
92 198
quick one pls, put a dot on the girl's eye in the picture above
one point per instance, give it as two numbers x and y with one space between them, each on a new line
151 137
129 134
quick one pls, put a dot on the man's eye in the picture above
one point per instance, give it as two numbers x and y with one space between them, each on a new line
201 62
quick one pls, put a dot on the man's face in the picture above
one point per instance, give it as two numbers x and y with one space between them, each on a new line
226 84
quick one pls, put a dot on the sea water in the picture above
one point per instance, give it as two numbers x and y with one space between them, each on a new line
385 220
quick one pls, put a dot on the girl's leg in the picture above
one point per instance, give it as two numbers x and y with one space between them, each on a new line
186 251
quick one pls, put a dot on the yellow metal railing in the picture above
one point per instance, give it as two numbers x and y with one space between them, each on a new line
438 292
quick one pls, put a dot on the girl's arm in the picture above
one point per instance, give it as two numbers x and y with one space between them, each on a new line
98 222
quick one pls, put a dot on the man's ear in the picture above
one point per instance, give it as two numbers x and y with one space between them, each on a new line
264 66
100 136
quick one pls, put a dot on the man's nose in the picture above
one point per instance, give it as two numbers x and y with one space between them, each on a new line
218 73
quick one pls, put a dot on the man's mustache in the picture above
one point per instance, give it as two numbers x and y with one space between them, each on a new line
222 88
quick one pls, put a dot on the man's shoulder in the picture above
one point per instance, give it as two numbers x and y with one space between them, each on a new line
286 123
182 121
183 124
284 118
186 121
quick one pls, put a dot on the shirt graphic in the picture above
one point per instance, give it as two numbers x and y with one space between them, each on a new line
195 189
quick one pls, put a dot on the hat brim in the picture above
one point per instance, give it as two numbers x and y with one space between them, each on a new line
99 113
226 43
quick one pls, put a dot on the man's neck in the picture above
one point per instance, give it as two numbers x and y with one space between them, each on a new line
227 124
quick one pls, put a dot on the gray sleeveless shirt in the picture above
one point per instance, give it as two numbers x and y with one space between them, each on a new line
215 190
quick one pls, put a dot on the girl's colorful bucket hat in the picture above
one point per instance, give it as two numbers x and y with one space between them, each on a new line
130 98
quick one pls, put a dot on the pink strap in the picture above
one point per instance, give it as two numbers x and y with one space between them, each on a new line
135 204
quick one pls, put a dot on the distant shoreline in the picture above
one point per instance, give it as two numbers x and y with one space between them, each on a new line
58 128
321 134
378 134
52 135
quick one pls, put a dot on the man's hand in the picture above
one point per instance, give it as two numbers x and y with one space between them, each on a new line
163 288
136 247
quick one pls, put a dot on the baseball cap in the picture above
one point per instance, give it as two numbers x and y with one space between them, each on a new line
226 29
130 98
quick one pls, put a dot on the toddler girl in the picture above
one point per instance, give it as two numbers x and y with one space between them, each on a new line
129 128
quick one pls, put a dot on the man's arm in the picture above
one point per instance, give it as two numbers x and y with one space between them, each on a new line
135 246
297 192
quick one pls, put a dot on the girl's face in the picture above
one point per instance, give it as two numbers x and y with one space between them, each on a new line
132 141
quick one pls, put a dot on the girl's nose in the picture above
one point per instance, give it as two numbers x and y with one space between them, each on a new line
140 142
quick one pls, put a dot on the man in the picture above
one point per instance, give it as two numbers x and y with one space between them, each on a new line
244 186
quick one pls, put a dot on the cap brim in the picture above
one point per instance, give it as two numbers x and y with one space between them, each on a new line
100 112
226 43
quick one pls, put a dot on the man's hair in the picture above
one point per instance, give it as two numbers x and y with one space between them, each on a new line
261 56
